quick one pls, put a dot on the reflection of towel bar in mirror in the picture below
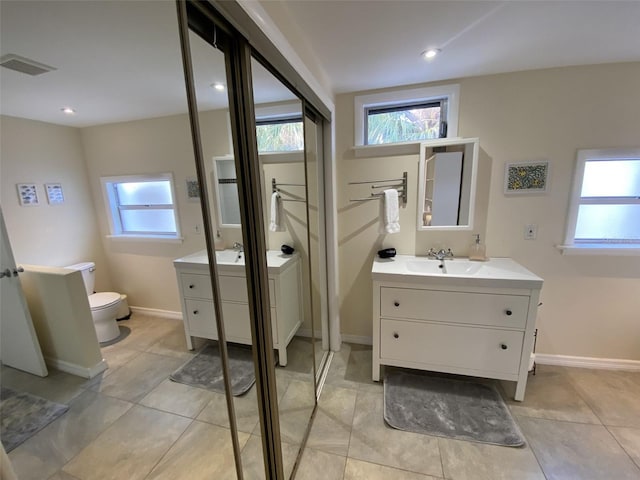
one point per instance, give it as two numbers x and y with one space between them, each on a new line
275 185
402 190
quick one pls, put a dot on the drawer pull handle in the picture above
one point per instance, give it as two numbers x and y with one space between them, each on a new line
395 335
191 286
508 312
503 346
397 304
195 312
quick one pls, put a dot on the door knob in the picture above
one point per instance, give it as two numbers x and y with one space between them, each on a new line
17 270
395 335
508 312
5 273
503 346
191 286
195 312
397 304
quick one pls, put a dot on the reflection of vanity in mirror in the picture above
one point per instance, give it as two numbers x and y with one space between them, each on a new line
447 184
197 302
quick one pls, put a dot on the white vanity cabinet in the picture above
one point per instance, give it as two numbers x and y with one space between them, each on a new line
196 297
479 324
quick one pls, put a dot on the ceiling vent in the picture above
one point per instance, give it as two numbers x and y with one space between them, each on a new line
24 65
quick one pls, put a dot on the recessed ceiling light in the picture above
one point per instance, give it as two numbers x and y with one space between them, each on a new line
68 110
432 52
218 86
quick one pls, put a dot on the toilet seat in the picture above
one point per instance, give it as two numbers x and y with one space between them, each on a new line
102 300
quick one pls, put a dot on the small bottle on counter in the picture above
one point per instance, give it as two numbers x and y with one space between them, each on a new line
477 250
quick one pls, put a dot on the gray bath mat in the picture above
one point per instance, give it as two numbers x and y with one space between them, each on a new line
23 415
205 370
448 408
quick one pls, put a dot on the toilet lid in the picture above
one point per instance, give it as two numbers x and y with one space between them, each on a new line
103 300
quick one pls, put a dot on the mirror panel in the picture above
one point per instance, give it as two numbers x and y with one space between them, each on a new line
200 309
447 184
279 132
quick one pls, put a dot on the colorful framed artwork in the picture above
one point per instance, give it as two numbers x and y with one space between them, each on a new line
193 189
527 177
27 194
54 193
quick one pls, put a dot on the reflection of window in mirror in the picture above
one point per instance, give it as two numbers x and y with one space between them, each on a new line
447 177
280 134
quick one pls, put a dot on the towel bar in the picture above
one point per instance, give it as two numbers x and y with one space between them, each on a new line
402 191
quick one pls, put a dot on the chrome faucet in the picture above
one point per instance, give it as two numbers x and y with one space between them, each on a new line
440 254
238 246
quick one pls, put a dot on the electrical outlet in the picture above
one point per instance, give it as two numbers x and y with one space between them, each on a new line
530 231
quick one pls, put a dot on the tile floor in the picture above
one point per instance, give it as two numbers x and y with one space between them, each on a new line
132 423
579 425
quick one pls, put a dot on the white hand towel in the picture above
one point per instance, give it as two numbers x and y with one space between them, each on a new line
391 211
275 225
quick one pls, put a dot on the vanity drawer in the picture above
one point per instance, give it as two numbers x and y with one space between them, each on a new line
234 289
201 318
457 307
432 344
196 286
236 322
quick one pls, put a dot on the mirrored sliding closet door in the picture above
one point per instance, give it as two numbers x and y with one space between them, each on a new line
259 172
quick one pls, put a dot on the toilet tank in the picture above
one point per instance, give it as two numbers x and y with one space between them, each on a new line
88 274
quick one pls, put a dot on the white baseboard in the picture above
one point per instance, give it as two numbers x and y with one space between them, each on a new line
158 313
73 369
588 362
359 339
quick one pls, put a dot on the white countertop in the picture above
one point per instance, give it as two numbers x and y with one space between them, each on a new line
494 272
231 260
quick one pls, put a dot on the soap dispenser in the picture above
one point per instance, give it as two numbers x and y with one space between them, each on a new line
477 250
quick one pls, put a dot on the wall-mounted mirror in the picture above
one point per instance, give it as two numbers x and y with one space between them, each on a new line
447 184
225 187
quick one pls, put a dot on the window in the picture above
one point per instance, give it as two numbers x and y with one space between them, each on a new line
406 115
605 205
142 206
405 123
280 135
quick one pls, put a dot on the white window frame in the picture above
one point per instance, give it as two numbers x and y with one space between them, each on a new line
113 214
570 246
402 97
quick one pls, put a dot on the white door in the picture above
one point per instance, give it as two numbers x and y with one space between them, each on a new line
19 347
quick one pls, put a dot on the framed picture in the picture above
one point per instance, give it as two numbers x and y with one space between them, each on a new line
193 189
27 194
527 177
54 193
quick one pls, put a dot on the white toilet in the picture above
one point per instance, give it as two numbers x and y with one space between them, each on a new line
104 305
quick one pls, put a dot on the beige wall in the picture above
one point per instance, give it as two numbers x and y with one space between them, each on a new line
591 304
38 152
143 269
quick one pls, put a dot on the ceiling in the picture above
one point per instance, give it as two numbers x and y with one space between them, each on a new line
120 60
365 45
